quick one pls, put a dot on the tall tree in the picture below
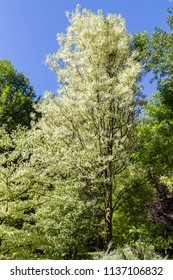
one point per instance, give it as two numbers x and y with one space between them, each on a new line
16 97
93 117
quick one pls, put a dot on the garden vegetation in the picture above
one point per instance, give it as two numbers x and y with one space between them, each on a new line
87 174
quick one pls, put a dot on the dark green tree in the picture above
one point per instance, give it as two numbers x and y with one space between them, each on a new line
16 97
156 131
156 53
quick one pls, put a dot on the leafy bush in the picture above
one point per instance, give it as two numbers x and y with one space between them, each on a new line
139 251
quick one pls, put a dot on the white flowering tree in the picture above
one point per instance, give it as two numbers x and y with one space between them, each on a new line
39 217
92 120
24 180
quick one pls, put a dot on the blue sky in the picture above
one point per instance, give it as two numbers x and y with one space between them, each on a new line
28 30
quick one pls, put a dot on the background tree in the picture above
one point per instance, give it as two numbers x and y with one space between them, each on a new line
157 124
156 128
16 97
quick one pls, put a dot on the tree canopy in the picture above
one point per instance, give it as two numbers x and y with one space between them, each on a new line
16 97
97 78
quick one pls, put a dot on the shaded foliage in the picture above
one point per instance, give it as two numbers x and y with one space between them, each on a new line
16 97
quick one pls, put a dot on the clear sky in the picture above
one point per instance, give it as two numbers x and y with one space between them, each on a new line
28 30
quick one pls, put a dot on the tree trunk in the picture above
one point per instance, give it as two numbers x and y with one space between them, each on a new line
108 213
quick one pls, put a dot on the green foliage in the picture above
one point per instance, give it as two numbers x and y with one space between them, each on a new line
157 127
137 251
69 224
16 97
155 131
133 194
